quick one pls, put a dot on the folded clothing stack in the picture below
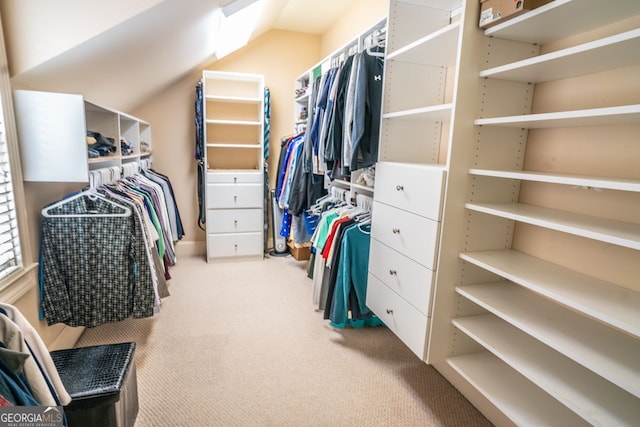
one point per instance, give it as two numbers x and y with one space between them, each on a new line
98 145
126 148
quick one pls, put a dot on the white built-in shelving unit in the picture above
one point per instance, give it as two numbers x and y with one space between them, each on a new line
233 110
301 101
505 242
53 127
418 103
534 292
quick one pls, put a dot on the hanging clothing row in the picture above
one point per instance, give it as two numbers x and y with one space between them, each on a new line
325 210
341 136
296 190
339 266
105 252
344 120
162 199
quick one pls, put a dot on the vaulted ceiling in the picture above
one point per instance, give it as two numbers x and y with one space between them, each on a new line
144 46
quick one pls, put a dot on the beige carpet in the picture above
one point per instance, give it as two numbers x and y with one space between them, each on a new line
240 344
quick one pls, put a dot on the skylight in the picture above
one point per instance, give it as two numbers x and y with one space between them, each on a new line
236 24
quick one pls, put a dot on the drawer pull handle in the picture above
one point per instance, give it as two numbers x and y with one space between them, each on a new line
396 231
399 187
235 198
389 311
235 222
393 272
235 179
235 247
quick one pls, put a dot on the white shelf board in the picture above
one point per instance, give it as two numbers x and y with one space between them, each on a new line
438 113
351 185
520 400
234 99
241 146
449 5
592 397
97 108
625 114
221 170
619 233
607 352
232 75
234 122
420 166
564 179
438 48
341 183
611 304
104 159
303 99
620 50
127 118
361 187
557 20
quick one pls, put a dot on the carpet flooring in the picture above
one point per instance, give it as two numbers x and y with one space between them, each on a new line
241 344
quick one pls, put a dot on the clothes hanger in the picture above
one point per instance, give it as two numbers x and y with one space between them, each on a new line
92 195
378 39
365 226
134 168
362 217
364 201
316 208
115 173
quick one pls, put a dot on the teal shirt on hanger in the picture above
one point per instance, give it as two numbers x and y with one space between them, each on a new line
352 274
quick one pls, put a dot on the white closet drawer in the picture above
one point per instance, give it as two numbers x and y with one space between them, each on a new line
412 235
402 318
406 277
414 188
234 220
234 177
234 245
234 196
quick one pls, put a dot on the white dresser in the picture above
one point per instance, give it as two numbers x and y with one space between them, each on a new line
234 214
404 246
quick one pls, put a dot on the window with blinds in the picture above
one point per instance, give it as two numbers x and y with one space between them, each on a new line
10 256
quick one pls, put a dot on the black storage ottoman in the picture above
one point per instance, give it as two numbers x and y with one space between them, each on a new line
101 381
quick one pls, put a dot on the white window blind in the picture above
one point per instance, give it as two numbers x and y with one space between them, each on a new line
10 255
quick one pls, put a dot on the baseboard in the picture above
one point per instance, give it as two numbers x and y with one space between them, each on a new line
191 248
67 338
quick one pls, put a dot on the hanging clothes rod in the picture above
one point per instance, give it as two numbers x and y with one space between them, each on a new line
98 177
109 175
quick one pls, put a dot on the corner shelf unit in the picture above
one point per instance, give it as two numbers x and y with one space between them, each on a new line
53 128
536 298
301 102
233 110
